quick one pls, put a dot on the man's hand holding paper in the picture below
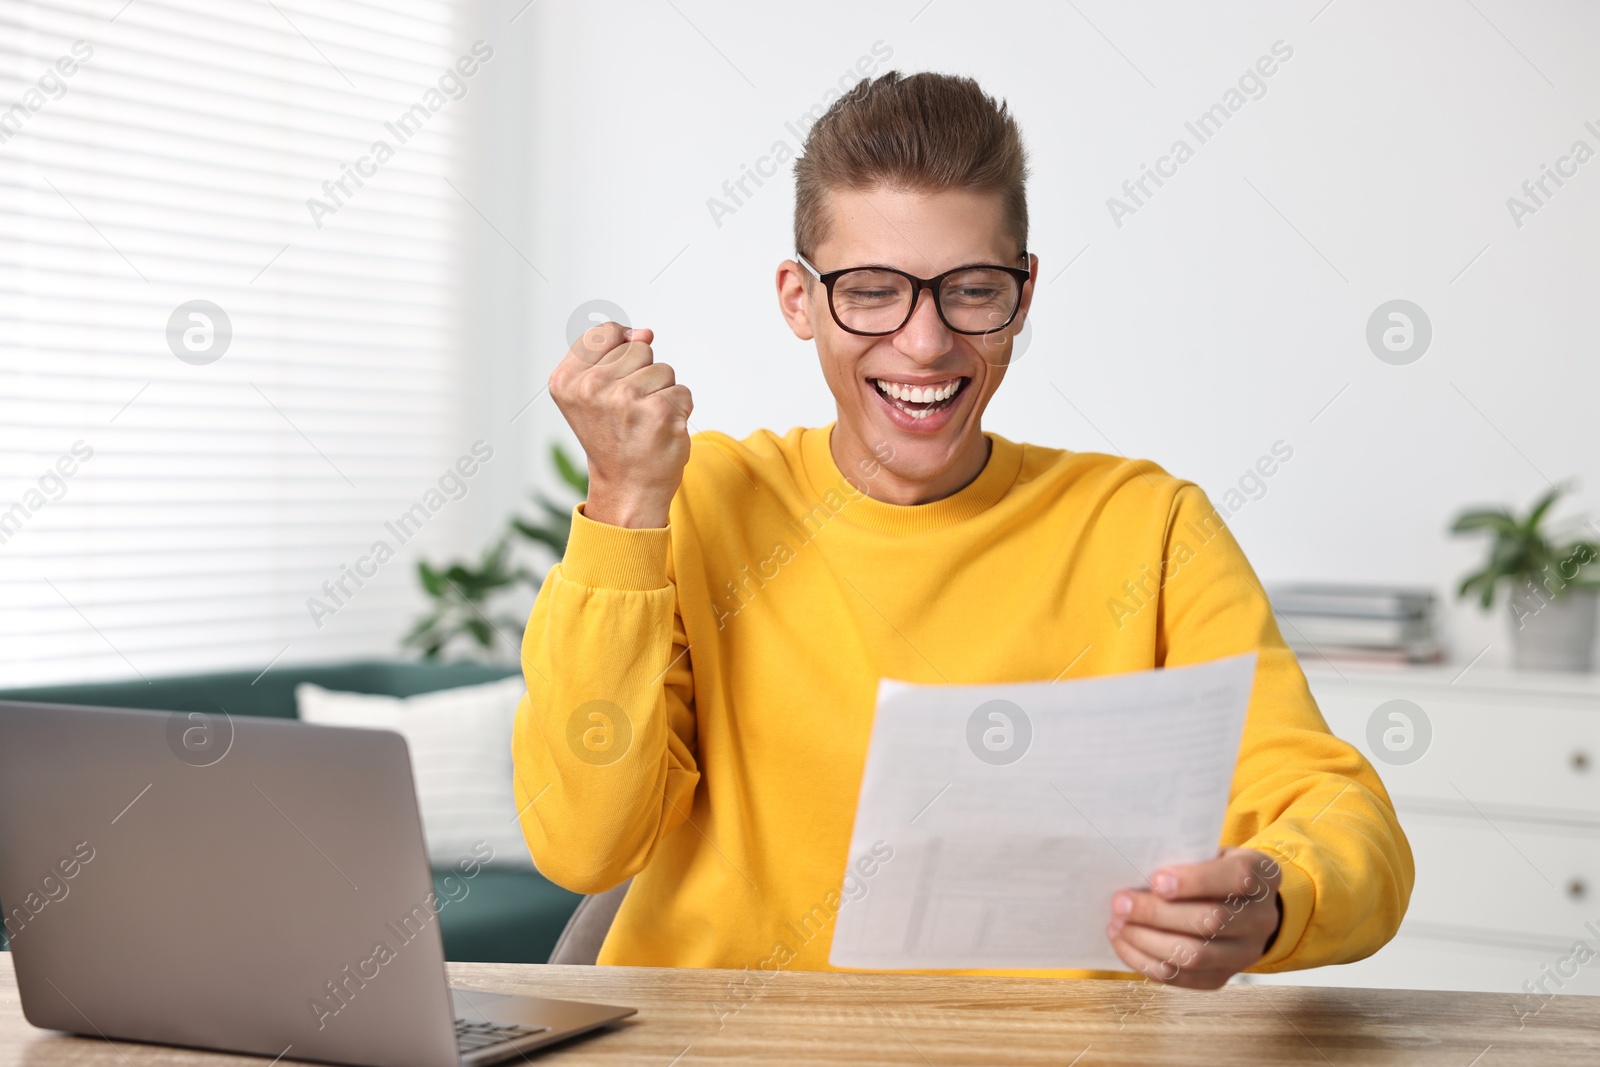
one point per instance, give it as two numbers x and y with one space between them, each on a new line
1199 924
1023 815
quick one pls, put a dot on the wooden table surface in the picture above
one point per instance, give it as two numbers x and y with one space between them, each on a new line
800 1018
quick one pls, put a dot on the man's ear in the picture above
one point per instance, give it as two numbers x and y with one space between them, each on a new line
794 299
1027 290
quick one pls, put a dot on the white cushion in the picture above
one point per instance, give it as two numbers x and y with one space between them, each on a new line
460 741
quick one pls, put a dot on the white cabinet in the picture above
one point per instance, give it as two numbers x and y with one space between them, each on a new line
1494 777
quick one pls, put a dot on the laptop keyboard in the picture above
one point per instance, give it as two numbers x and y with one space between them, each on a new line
471 1036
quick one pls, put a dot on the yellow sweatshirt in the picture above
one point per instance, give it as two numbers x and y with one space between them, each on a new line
700 697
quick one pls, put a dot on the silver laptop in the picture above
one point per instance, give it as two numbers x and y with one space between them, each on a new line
248 884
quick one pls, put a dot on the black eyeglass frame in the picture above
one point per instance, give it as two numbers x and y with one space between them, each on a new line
1022 275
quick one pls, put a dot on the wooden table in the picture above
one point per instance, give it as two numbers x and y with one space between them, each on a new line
799 1018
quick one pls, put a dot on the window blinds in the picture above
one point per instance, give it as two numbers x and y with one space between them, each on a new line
226 361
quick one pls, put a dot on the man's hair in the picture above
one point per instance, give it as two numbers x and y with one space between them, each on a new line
924 132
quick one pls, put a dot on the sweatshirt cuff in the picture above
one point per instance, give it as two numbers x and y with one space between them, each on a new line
1299 896
615 557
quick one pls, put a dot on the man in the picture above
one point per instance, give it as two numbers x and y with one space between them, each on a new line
702 666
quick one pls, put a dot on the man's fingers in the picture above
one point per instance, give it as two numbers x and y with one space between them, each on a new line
1201 918
1181 960
577 367
651 378
679 399
1237 872
593 344
1146 964
1164 945
627 357
1199 923
608 342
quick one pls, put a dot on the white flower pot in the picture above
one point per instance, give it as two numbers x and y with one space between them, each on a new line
1553 633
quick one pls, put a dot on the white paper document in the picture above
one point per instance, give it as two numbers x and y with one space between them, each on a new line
1010 814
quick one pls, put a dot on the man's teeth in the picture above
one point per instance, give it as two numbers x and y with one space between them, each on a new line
919 394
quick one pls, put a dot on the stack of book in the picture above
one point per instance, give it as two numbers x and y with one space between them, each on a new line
1374 623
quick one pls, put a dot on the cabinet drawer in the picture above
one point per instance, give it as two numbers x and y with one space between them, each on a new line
1477 748
1427 962
1503 878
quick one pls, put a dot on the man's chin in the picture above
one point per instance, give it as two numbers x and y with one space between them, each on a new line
913 457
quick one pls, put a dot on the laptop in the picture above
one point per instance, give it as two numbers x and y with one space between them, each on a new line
251 885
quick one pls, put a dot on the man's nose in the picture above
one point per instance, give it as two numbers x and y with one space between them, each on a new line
924 337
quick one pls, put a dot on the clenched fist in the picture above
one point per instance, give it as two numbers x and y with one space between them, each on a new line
632 418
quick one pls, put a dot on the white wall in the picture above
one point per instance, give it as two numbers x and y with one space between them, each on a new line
1223 316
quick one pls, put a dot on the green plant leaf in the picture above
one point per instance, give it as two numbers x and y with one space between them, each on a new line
1472 582
577 479
432 583
460 589
1511 555
414 635
1531 524
481 630
1585 553
1498 520
560 517
428 636
1571 565
556 542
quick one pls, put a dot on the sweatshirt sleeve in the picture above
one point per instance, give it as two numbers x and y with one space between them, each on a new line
604 741
1301 795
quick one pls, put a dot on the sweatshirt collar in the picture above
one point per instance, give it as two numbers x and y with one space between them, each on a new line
992 483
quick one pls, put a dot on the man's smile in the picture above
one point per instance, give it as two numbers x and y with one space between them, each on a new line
921 405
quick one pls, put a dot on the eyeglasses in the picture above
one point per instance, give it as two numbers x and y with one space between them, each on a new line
874 301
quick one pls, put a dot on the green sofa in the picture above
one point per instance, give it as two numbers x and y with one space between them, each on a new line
512 915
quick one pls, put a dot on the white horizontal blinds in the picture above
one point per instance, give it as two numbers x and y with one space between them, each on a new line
207 502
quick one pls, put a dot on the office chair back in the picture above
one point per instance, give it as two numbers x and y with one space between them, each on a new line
586 931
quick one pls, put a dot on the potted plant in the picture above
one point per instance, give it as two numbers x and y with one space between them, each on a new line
460 591
1552 583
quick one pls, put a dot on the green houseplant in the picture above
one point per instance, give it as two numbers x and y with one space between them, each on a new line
460 591
1551 580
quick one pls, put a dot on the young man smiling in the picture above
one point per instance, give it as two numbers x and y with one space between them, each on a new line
932 552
